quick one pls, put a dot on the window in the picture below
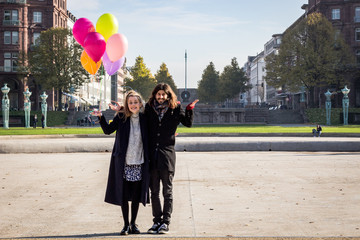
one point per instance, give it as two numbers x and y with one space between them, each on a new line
14 38
11 17
37 17
335 14
337 34
357 34
36 38
11 37
357 14
10 62
358 56
7 15
7 37
7 65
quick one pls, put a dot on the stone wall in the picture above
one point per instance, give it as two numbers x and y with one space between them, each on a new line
219 115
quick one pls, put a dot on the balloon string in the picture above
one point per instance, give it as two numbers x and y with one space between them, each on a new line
101 83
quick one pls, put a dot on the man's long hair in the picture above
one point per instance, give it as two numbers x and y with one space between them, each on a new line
172 98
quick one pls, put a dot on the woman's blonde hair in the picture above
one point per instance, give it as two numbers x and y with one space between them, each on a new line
126 110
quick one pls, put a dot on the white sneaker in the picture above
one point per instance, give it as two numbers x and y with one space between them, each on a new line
163 229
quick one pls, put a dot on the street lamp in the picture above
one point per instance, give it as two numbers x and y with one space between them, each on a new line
328 107
27 107
43 97
5 106
345 103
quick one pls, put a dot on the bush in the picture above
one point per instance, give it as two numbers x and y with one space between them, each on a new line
318 115
54 118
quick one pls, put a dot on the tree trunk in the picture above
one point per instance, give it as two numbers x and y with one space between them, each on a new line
59 100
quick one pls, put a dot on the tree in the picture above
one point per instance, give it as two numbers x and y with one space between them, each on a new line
54 62
209 84
232 81
142 80
163 76
311 54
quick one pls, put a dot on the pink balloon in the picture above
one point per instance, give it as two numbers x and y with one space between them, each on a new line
116 46
95 46
81 28
112 67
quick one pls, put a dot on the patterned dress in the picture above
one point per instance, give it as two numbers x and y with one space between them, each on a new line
135 152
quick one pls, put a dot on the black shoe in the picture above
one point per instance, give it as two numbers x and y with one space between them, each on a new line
125 230
134 229
154 228
164 228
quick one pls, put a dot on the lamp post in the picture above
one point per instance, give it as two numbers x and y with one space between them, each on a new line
44 108
27 107
302 94
328 107
345 103
5 106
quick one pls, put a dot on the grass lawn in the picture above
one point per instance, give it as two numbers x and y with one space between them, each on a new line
181 129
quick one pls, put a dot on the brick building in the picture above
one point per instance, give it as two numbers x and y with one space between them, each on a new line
345 17
22 22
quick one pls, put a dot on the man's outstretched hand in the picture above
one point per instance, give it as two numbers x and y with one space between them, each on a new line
192 105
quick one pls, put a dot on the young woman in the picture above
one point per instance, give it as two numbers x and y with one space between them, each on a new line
129 167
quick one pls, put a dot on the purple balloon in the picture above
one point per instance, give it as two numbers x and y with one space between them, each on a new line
95 46
112 67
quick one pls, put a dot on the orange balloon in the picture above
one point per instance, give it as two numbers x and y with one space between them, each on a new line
89 65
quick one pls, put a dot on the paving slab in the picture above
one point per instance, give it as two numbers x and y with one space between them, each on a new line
217 195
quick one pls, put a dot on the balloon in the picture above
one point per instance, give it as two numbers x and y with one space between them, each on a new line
107 25
81 28
89 64
95 46
116 46
112 67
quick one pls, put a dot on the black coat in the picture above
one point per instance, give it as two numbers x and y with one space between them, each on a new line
114 190
162 135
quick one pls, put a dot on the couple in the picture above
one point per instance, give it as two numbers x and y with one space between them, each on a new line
144 154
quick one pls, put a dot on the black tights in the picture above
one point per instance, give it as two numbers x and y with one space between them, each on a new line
134 190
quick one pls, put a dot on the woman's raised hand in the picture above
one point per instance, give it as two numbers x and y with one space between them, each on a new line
116 106
96 113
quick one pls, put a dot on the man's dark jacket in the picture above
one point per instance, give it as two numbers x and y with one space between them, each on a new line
162 135
114 190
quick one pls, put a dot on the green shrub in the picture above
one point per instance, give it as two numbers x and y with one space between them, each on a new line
54 118
318 115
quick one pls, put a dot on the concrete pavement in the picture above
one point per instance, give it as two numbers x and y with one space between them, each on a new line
197 143
216 194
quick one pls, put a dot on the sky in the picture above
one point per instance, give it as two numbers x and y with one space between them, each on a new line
215 31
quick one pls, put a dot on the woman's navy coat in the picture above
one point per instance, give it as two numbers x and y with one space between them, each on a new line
114 190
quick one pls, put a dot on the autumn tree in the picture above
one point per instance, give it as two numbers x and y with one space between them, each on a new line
232 81
141 79
54 62
209 84
163 76
312 54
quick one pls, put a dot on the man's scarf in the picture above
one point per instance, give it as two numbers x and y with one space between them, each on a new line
160 109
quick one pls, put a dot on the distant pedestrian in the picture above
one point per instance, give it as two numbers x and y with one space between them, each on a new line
317 131
35 120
